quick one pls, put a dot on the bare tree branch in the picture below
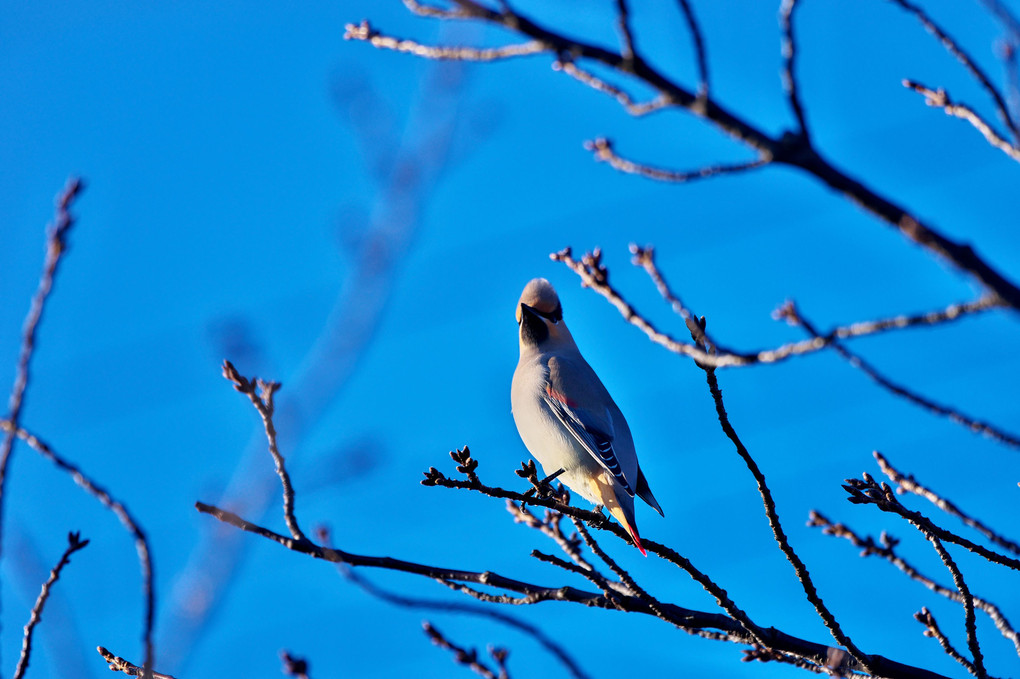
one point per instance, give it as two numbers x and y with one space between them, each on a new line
968 604
366 33
700 51
595 275
794 151
907 483
789 51
940 99
74 543
867 491
863 660
469 657
790 313
121 512
885 547
260 393
366 585
56 245
568 66
118 664
603 150
932 630
954 48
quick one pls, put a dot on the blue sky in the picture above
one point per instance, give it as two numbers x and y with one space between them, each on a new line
242 159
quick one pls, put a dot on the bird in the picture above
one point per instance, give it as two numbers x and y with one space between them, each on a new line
566 418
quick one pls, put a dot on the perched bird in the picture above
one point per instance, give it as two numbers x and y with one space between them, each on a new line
565 416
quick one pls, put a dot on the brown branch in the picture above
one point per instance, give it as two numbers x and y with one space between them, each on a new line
433 477
867 491
907 483
968 604
261 393
699 47
954 48
789 51
603 150
118 664
365 33
594 275
74 543
932 630
693 619
537 634
56 245
863 660
940 99
637 109
469 657
121 512
791 151
627 50
885 548
790 313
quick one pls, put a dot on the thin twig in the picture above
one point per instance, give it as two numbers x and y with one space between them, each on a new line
74 543
637 109
595 275
366 585
789 51
700 52
968 604
792 315
366 33
693 619
603 150
794 152
777 529
954 48
261 393
907 483
885 547
118 664
623 27
122 513
867 491
940 99
932 630
56 246
468 657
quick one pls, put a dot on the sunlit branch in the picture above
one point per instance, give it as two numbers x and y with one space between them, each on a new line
940 99
885 548
932 630
954 48
789 50
907 483
867 491
118 664
261 393
632 107
700 51
366 33
56 245
126 519
791 150
603 150
790 313
74 543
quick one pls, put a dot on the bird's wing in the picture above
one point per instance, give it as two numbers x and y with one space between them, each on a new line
592 429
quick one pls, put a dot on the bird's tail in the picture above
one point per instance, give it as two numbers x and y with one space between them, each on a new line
623 512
